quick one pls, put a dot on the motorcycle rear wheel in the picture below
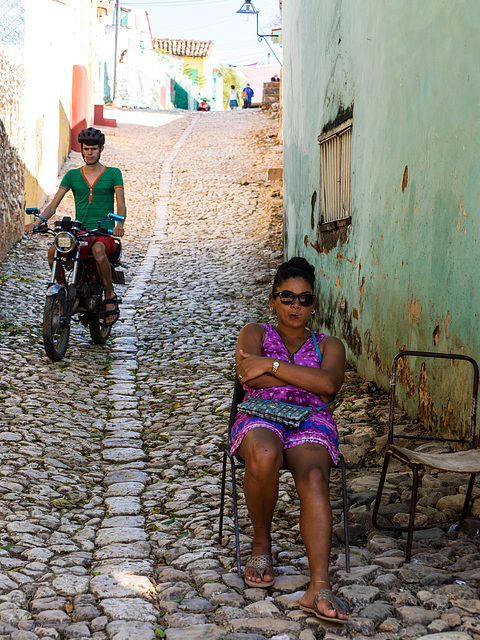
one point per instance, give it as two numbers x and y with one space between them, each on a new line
56 332
98 332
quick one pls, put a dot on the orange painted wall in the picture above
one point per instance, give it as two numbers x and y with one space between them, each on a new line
82 104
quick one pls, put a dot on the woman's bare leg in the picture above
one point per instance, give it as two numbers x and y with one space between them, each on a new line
262 451
310 466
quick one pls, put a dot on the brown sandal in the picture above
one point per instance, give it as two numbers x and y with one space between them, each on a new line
336 603
260 563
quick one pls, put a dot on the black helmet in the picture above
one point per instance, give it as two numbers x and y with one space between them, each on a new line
91 136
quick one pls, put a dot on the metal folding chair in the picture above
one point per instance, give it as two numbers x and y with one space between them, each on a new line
237 463
461 462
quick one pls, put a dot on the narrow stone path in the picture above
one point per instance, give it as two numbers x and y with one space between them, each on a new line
111 459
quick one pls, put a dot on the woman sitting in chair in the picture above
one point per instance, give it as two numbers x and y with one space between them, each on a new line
291 364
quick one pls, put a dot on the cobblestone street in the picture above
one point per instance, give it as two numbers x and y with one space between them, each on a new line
111 458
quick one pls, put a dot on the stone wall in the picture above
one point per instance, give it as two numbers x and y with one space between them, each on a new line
12 142
271 92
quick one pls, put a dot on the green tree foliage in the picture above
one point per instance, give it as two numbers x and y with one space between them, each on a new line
230 77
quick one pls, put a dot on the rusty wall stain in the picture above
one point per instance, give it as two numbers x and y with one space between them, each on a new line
305 241
447 322
377 360
362 286
404 375
462 218
355 313
338 282
405 178
340 256
323 274
414 310
447 418
377 261
362 293
460 388
373 350
426 409
436 333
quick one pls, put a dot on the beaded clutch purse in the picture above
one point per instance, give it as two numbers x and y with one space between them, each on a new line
288 415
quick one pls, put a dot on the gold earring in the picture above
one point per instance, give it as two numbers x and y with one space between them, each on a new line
314 312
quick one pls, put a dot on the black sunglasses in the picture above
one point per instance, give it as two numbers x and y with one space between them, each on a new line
288 297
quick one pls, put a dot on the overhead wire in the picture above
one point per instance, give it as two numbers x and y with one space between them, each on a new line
172 3
185 30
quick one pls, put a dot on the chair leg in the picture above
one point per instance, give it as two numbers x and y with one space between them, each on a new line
466 504
235 515
222 496
345 514
411 520
381 484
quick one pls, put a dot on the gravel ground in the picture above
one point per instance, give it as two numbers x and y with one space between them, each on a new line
111 459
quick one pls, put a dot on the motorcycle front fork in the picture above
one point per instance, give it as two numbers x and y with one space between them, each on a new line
56 267
70 288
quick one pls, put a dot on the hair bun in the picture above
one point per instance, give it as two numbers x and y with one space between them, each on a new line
296 267
301 264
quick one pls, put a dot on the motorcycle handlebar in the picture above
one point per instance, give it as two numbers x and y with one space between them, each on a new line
44 228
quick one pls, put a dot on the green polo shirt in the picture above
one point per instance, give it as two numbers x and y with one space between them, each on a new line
93 202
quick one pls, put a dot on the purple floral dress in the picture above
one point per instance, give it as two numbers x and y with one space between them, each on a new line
319 427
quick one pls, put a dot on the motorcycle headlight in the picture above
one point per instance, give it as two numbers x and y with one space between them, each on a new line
65 242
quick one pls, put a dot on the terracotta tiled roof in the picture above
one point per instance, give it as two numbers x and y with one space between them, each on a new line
193 48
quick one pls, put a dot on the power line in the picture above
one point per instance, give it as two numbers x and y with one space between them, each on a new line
172 3
199 25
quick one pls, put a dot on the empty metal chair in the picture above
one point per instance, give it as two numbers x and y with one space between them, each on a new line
461 462
237 463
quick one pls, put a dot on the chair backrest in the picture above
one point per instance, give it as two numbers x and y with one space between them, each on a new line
430 354
238 396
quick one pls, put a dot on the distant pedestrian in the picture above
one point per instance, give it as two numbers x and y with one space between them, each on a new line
247 95
233 98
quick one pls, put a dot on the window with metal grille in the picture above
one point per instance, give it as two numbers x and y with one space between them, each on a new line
336 176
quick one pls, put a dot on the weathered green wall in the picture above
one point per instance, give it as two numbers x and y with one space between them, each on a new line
12 125
406 272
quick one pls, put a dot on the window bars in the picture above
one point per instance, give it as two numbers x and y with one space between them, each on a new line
336 175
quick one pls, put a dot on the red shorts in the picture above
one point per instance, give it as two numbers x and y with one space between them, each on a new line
110 245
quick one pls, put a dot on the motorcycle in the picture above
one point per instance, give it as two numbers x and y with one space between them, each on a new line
203 105
83 292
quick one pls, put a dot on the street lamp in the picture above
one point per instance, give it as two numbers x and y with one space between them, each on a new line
248 8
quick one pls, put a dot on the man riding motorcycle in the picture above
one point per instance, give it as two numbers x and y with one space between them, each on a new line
94 187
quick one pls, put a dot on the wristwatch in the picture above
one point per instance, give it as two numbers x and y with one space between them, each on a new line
275 366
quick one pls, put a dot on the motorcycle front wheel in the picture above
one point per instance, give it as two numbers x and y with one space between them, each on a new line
56 332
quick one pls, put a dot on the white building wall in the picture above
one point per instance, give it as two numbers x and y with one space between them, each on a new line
57 36
143 71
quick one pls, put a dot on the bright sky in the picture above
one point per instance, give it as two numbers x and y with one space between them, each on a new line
217 20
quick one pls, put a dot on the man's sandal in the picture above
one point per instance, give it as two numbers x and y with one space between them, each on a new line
333 601
110 312
260 563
